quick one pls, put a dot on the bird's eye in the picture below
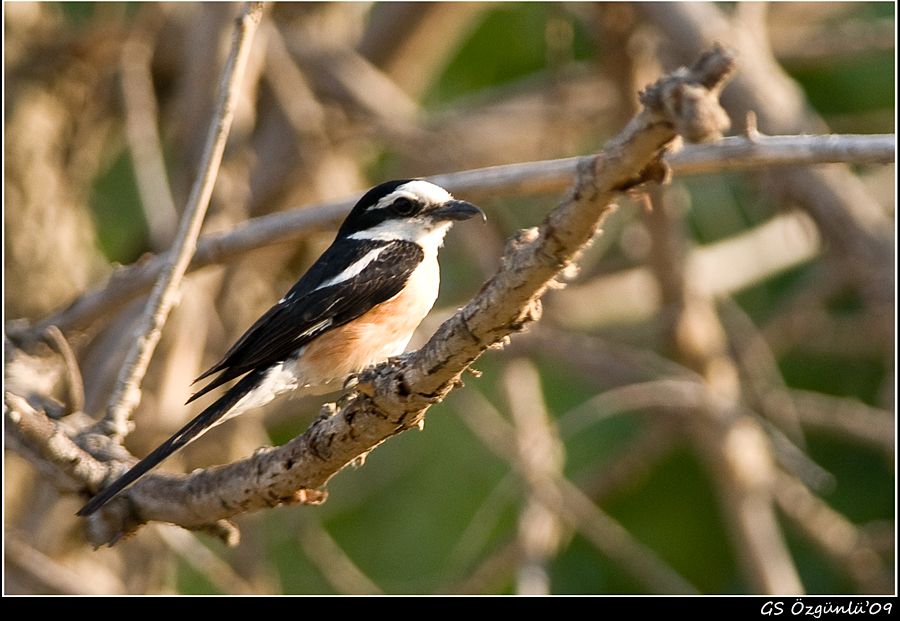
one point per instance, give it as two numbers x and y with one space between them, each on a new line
403 206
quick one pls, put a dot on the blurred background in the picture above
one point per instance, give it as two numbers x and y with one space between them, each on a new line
711 395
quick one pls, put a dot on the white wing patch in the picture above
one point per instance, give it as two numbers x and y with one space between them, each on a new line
314 328
354 268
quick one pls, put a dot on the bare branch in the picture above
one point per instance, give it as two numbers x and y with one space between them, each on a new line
57 451
472 541
130 282
394 396
612 539
633 463
542 177
742 153
412 41
127 393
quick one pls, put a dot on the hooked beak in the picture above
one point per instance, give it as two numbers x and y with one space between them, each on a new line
457 210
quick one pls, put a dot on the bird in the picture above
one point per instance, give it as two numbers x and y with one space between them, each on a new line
357 305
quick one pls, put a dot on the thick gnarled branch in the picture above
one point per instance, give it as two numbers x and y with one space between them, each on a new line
395 396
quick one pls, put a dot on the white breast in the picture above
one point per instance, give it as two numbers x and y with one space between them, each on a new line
382 332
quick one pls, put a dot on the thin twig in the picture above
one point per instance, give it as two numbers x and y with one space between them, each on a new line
763 385
633 463
127 393
542 177
412 42
666 395
74 382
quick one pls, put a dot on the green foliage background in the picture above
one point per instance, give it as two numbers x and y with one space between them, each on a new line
405 518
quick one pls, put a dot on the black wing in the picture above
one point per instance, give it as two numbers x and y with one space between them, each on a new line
307 311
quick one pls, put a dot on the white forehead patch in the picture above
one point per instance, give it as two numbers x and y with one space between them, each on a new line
420 190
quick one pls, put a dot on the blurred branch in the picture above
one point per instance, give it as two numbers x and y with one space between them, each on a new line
74 381
127 393
411 41
130 282
846 418
56 577
763 386
394 396
714 270
492 573
543 177
665 395
351 77
592 357
845 545
540 455
141 116
295 97
634 462
864 334
339 569
481 523
799 43
850 221
204 561
736 449
572 506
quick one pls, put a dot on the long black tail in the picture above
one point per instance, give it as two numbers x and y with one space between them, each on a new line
206 419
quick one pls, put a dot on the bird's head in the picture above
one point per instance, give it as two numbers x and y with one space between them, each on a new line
408 209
